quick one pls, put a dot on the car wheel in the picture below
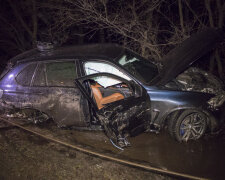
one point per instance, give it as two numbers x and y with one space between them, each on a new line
188 125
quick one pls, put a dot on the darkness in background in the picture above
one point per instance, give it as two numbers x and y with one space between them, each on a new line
26 21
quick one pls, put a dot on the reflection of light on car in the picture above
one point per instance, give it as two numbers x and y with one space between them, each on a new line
98 67
8 86
124 60
11 76
107 81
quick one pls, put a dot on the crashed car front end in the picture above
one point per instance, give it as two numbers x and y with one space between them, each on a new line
193 89
178 89
197 80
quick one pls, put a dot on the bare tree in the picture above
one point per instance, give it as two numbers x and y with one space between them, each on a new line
216 20
30 30
132 20
211 14
18 32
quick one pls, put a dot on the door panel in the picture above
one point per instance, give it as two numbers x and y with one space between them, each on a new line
66 106
128 117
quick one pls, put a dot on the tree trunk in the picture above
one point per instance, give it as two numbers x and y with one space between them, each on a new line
19 17
220 13
181 15
143 45
219 64
210 14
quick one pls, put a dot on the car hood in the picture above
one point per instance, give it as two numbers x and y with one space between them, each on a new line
190 50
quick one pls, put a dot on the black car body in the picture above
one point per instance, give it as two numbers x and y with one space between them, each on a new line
141 97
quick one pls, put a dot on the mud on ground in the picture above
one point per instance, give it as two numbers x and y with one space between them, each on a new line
27 156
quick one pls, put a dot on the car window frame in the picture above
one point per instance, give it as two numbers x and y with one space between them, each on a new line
54 61
106 62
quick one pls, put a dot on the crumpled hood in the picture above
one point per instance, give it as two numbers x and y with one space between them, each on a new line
195 79
190 50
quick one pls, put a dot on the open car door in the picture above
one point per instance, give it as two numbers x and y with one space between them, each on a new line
126 112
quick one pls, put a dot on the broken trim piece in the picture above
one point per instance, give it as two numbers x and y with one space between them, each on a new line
116 145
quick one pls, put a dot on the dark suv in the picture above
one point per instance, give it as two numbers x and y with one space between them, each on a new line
110 87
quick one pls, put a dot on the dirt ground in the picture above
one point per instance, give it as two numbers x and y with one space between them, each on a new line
27 156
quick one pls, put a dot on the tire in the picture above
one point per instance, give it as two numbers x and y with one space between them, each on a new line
187 125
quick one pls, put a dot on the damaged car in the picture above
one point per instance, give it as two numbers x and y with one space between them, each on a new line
108 87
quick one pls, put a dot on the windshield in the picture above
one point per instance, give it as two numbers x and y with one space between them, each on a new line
139 67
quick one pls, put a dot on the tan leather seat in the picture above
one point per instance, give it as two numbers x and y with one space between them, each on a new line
100 100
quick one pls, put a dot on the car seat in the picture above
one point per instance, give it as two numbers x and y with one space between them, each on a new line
100 100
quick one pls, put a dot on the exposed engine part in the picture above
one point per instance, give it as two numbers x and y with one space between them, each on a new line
195 79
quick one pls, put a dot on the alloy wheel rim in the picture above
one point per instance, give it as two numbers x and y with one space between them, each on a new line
192 126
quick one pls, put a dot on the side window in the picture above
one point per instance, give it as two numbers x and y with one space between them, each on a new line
25 76
56 74
100 67
61 73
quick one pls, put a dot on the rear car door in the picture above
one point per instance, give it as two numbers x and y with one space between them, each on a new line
55 93
122 117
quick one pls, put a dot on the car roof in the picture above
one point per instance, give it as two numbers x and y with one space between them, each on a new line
107 51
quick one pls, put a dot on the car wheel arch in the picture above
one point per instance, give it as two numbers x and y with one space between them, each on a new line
211 120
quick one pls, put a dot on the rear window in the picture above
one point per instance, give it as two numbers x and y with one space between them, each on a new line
25 76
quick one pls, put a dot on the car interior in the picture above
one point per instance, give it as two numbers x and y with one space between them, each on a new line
105 89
